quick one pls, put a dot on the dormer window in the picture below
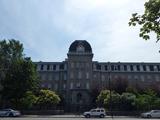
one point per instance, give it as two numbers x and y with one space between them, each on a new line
80 48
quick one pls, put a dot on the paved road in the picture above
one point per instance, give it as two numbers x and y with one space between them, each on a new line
69 117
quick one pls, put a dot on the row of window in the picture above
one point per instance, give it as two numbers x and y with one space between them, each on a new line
51 67
62 66
129 67
52 77
72 86
63 76
106 67
80 75
78 85
129 77
79 64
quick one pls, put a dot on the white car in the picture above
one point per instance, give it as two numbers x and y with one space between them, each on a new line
9 113
98 112
152 113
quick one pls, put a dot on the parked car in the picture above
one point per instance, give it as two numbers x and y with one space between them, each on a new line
9 113
98 112
150 114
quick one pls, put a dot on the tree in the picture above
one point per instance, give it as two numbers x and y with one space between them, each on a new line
146 101
149 20
17 73
104 94
127 101
28 100
9 51
20 78
112 101
47 99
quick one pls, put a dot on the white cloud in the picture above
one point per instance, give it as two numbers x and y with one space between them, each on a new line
44 27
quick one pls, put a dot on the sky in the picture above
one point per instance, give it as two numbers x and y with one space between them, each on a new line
48 27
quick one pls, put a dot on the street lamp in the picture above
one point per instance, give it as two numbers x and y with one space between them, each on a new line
110 90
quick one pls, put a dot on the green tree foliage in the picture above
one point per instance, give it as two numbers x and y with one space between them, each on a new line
18 74
28 100
47 99
147 100
102 96
9 51
112 101
149 20
129 101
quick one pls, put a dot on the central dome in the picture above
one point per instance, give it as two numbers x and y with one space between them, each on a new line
80 46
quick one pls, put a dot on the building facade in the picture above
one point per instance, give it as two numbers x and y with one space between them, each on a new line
76 78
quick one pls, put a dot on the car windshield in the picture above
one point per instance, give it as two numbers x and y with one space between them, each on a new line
93 110
7 110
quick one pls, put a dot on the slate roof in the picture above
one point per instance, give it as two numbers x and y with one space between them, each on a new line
85 44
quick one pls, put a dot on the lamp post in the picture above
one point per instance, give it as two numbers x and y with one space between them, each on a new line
110 90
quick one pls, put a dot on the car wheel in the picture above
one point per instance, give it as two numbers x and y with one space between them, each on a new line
101 116
88 116
10 114
149 116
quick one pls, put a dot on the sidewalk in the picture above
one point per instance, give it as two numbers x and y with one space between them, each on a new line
53 116
70 116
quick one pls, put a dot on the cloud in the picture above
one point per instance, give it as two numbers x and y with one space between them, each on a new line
49 26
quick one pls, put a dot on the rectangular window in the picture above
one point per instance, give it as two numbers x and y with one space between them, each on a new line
98 67
61 67
87 75
87 85
71 86
112 67
56 77
87 64
55 86
79 75
54 67
72 65
151 67
131 67
103 78
41 67
144 68
138 68
65 77
106 67
158 67
119 68
44 77
71 75
50 77
78 85
142 78
115 67
125 67
64 86
48 67
77 64
157 78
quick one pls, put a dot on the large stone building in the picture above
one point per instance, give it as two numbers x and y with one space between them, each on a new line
78 76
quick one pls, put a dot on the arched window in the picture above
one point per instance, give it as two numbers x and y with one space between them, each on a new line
79 97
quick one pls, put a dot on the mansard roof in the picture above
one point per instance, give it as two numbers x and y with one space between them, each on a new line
84 43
